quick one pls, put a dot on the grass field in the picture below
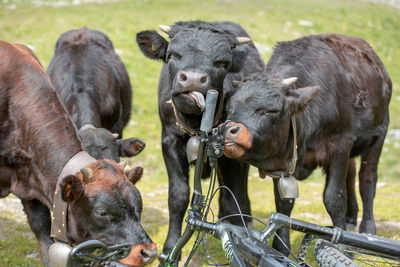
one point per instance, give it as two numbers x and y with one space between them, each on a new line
39 24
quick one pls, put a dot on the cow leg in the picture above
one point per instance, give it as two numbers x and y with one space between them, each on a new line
335 187
352 206
368 178
283 206
40 222
178 187
233 174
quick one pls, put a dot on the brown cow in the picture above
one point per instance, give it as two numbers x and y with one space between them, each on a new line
38 142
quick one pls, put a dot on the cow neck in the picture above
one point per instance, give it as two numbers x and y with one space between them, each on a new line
292 166
59 217
180 122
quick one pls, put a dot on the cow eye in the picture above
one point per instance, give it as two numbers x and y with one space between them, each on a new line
101 212
104 216
263 111
221 64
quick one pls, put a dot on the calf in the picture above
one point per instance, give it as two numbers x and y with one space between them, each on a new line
40 152
92 83
199 56
340 106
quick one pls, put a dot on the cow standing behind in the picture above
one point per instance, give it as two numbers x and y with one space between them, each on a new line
199 56
340 103
92 83
37 140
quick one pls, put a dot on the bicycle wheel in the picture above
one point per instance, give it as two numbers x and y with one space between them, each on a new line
359 256
327 255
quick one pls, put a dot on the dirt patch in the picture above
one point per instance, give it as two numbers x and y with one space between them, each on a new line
11 208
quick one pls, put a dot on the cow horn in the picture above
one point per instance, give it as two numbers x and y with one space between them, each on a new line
165 28
242 40
87 126
86 173
289 81
236 83
123 164
115 135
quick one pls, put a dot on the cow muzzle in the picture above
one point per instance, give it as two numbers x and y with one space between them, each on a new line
188 91
237 140
140 255
63 255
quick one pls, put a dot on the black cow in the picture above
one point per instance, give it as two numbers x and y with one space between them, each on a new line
94 86
38 142
340 105
199 56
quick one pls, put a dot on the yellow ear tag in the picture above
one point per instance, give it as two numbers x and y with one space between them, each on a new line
153 48
68 187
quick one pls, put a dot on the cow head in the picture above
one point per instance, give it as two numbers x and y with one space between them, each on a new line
260 112
101 143
105 205
198 57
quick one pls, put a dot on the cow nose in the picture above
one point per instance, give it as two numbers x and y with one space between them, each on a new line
232 131
192 79
140 255
148 254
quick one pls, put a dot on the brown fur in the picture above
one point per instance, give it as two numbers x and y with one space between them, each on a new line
236 148
106 175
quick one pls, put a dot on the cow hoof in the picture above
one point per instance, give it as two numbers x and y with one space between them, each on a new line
368 227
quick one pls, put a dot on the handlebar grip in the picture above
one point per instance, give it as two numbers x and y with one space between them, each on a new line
208 114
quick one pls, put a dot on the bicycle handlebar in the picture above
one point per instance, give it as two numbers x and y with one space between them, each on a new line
208 114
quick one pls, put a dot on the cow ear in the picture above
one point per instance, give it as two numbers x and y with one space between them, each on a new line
130 147
239 55
298 99
135 174
71 188
152 44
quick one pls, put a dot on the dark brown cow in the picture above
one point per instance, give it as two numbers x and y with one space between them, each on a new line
37 141
340 104
93 84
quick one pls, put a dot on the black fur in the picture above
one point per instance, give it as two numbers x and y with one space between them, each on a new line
340 102
209 50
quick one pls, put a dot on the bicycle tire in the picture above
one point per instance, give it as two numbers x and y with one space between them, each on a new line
363 257
327 255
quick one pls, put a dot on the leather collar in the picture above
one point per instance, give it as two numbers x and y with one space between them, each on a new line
290 170
59 216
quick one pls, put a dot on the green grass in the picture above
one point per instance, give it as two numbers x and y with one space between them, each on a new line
267 22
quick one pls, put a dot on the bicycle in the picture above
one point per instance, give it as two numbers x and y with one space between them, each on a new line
243 246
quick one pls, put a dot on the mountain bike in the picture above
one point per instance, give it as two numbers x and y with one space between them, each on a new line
243 246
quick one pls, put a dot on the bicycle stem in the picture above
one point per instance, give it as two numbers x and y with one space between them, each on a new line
197 201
